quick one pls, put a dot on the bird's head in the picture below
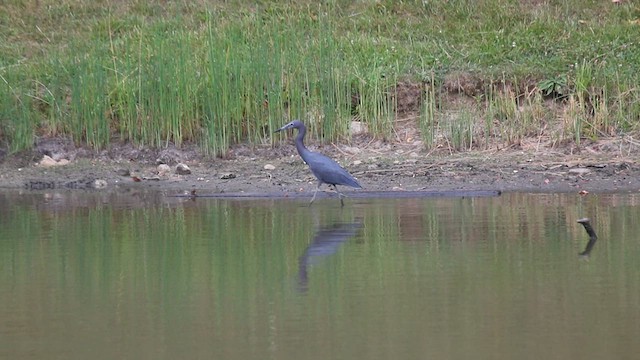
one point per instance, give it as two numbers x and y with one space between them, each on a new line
295 124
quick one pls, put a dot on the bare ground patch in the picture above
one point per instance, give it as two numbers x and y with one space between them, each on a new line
379 166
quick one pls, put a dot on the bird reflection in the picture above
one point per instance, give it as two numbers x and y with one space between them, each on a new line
325 243
592 236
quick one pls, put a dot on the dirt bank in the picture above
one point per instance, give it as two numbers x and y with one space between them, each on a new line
379 166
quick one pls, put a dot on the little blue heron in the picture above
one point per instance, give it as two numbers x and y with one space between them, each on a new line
325 169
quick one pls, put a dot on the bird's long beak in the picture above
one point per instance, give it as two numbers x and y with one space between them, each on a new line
282 128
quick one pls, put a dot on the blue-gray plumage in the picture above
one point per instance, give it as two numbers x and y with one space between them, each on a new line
325 169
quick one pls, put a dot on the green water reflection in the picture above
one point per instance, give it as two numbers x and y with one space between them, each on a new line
149 276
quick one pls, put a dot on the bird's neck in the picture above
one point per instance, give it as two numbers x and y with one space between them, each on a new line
302 150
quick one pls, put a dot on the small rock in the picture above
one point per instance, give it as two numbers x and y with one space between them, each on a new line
99 184
163 169
182 169
579 171
269 167
47 161
357 162
227 176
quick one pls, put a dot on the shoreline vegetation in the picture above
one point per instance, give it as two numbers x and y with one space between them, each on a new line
468 74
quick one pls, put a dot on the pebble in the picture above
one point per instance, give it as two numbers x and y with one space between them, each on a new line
99 184
182 169
269 167
163 169
47 161
227 176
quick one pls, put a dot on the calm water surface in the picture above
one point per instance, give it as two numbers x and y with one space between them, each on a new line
146 276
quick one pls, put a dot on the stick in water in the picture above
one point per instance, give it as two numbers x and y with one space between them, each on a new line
592 236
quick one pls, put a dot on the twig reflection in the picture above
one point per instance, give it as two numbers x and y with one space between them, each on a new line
592 236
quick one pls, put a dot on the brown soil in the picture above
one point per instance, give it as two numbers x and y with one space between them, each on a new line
379 166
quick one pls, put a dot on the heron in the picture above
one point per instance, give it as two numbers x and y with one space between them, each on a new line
325 169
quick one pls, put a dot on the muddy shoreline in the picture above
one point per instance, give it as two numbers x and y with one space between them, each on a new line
381 168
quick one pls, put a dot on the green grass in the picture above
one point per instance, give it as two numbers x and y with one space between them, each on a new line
219 73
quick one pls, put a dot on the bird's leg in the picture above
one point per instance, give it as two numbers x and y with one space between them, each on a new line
315 193
340 195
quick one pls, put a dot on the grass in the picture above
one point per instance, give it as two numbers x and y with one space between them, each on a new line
219 73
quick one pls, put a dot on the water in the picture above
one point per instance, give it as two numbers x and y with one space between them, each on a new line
142 275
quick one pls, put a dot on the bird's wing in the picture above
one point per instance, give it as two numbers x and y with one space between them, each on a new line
328 171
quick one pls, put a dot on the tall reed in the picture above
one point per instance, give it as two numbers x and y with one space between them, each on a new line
16 124
260 74
460 130
428 121
90 107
